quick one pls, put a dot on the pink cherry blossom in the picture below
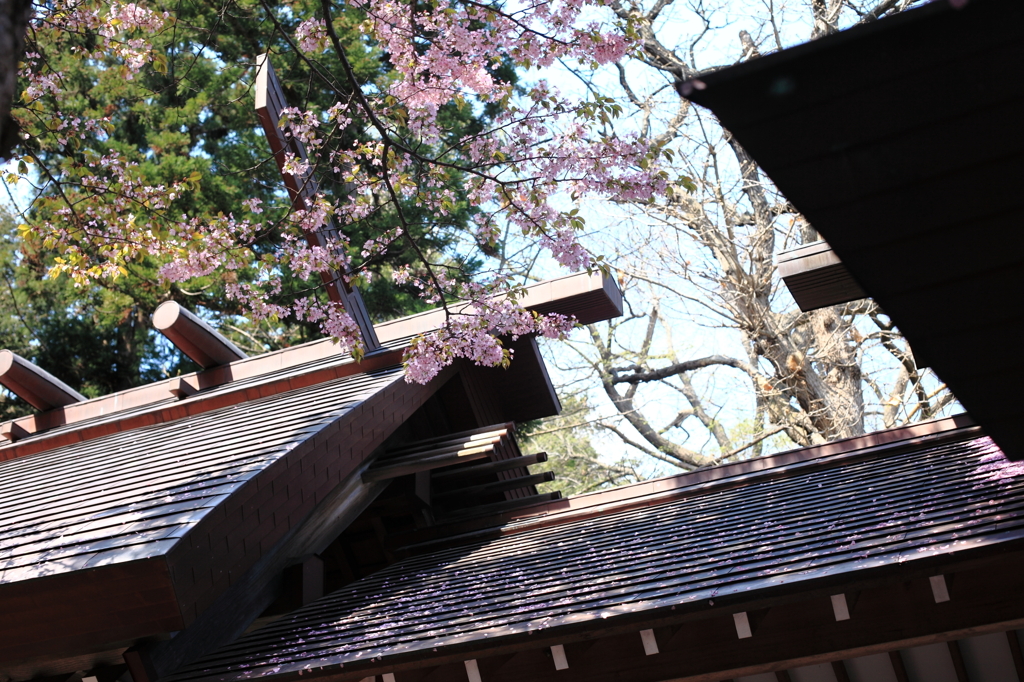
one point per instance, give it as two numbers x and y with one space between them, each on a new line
540 145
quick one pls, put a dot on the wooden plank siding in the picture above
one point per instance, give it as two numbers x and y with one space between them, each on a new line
62 615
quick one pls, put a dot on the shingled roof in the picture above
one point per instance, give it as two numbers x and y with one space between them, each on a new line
783 528
178 507
132 495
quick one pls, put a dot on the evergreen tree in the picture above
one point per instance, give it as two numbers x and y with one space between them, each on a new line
190 116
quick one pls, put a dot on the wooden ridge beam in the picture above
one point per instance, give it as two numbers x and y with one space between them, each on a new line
198 404
154 394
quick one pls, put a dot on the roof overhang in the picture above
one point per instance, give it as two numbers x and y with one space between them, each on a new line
816 277
901 141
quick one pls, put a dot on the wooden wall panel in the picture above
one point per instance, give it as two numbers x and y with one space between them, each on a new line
84 611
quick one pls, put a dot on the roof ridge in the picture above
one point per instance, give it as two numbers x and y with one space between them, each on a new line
195 404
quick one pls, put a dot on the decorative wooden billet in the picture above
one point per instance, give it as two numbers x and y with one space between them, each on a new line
429 460
433 453
472 671
34 385
650 642
496 487
488 468
816 277
270 103
506 506
194 337
940 591
455 439
558 655
742 623
840 607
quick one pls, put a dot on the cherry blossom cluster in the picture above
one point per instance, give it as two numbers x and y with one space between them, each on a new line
539 148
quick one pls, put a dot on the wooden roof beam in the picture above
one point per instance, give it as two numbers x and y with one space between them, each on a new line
497 486
35 385
195 338
590 297
489 467
389 469
817 278
441 451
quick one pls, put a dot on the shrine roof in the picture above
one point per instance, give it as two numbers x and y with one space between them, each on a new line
866 132
134 494
790 527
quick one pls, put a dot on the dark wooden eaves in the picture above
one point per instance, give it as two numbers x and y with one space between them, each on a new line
900 141
816 278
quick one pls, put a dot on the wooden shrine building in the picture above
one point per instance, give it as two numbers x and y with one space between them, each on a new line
297 515
901 142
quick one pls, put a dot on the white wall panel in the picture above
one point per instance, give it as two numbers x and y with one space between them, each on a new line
988 658
930 663
874 668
